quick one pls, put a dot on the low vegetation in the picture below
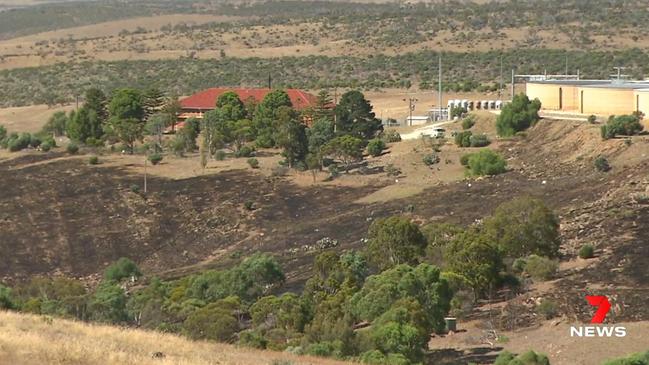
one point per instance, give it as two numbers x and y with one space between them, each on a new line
622 125
404 281
484 162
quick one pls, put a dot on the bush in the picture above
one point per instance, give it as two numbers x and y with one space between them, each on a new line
479 140
212 322
601 164
431 159
34 141
220 155
468 122
635 359
6 298
528 358
519 265
464 159
121 269
93 160
253 162
486 162
592 119
391 170
46 146
626 125
587 251
155 158
252 339
3 133
245 151
375 147
518 115
524 226
541 268
463 139
547 308
391 136
72 148
18 142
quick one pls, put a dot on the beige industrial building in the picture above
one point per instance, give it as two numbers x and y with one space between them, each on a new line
598 97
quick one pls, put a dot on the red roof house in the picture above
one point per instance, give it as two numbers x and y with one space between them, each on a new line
206 100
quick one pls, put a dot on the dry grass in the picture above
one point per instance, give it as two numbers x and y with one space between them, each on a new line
35 340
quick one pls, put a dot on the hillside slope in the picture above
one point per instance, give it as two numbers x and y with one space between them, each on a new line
31 340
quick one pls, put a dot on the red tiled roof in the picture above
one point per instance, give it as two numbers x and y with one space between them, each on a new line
206 99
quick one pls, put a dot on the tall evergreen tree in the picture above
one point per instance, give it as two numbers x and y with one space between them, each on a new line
355 116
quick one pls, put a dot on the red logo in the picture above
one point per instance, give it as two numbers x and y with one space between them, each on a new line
602 304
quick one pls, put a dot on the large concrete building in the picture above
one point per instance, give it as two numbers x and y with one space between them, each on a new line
598 97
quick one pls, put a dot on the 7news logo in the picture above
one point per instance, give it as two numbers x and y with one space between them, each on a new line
603 307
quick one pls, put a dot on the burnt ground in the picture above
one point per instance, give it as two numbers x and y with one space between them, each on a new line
62 216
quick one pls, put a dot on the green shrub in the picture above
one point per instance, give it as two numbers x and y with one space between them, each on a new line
375 147
3 132
46 146
519 265
245 151
635 359
93 160
212 322
601 164
253 339
431 159
34 141
464 159
587 251
121 269
524 226
468 122
528 358
253 162
486 162
391 136
249 205
518 115
155 158
463 139
94 142
592 119
72 148
547 308
479 140
18 142
6 298
541 268
626 125
220 155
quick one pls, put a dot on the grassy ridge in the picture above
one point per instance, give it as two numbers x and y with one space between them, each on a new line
30 339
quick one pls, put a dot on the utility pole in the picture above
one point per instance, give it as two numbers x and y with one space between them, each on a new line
270 81
513 79
500 89
411 106
439 92
619 72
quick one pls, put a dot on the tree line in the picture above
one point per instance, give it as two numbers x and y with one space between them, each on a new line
463 71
